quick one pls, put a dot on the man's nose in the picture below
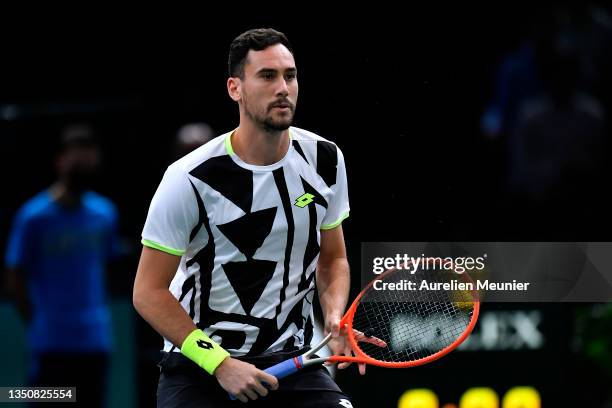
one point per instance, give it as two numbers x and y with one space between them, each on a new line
283 88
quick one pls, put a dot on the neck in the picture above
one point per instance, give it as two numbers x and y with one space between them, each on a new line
259 147
63 195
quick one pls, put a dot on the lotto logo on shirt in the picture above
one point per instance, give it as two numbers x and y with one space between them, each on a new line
303 200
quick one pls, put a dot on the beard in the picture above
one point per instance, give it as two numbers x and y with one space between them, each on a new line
276 125
267 121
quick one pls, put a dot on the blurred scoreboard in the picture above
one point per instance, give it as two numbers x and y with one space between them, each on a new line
513 345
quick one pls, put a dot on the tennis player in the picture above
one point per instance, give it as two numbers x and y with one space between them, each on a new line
237 233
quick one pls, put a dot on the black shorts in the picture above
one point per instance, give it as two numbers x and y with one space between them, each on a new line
184 384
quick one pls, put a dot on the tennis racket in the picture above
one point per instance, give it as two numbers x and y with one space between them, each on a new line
400 328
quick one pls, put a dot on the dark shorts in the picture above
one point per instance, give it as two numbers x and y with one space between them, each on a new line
183 384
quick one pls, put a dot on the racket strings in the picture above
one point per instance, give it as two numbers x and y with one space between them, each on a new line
414 324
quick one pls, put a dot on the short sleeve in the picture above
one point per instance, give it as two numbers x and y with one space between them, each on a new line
19 241
338 208
172 214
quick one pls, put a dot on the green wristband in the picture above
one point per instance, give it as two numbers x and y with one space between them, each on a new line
200 349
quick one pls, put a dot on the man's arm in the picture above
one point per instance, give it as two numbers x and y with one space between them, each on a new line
16 288
18 251
156 304
153 300
333 278
333 285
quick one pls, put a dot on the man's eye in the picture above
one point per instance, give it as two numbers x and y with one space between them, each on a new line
290 76
268 76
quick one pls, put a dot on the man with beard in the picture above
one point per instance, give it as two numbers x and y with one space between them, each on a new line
57 252
234 237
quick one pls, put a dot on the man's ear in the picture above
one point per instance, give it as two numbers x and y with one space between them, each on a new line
233 88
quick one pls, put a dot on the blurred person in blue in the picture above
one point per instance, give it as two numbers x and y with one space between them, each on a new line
58 248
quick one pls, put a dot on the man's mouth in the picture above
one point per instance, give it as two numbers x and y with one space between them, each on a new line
281 106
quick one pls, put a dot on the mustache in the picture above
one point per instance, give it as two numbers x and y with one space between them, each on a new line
281 103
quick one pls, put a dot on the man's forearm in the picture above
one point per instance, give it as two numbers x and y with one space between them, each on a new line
16 288
333 283
165 314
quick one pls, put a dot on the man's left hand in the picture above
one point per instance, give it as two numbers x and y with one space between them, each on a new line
340 344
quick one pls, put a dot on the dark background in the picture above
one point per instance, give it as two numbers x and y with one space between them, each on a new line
401 92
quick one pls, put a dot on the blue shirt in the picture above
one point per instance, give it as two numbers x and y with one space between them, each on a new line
63 254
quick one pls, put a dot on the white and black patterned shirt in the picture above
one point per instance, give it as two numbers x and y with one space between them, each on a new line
248 237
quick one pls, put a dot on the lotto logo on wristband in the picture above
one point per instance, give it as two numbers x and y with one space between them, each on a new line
194 348
206 345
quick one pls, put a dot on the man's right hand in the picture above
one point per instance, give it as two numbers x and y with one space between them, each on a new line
244 380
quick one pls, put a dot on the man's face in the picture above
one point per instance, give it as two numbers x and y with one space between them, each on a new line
78 166
269 88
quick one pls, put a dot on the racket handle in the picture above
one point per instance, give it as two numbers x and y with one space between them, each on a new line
287 367
282 370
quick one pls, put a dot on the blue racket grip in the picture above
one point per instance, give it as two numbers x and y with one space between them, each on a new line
282 370
287 367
